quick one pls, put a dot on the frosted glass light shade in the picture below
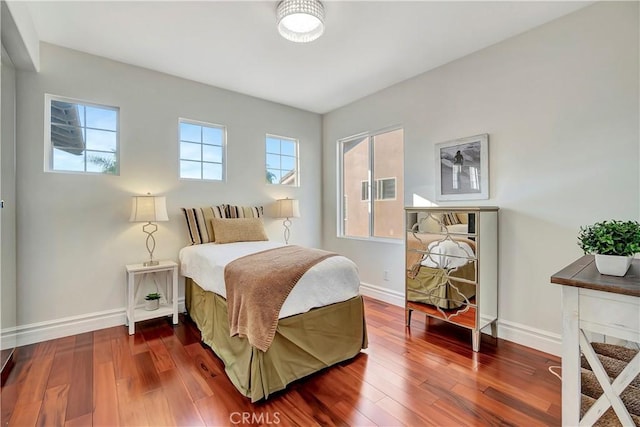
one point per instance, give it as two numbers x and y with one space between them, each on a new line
300 21
287 208
148 209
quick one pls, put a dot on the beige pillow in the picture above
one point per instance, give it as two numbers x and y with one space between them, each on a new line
238 230
429 223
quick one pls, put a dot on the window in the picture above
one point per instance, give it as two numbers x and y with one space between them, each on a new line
371 178
282 160
365 191
202 150
385 189
81 137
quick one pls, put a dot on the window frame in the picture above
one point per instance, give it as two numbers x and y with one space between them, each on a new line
296 142
202 144
48 144
341 214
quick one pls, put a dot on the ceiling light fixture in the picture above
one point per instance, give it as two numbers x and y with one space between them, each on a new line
300 21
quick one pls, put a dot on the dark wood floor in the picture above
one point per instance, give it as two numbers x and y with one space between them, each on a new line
163 376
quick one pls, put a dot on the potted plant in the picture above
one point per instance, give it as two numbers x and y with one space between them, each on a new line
152 301
614 244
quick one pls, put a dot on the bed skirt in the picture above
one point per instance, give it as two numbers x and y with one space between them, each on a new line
432 286
303 344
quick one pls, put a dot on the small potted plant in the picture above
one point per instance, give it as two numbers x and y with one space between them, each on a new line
152 301
614 244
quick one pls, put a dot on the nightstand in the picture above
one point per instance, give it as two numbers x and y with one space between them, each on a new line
165 278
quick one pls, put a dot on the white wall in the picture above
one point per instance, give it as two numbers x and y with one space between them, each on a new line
8 213
74 237
19 35
560 104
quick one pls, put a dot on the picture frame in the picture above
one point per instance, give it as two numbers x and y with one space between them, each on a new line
462 168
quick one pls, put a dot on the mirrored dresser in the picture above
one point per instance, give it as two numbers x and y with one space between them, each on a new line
451 269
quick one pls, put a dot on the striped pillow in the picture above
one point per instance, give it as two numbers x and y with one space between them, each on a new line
450 218
199 222
233 211
463 217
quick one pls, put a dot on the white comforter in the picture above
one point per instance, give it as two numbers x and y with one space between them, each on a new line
332 280
447 254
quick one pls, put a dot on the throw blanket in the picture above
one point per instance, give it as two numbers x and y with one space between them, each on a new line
257 286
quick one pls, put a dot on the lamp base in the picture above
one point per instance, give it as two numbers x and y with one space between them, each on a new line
150 228
286 223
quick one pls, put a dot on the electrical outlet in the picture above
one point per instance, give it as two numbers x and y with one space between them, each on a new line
386 275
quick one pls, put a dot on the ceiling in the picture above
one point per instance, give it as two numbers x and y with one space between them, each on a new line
367 45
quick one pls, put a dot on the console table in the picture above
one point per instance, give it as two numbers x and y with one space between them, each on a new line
607 305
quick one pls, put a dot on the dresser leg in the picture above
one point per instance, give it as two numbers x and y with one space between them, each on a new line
494 329
407 317
475 340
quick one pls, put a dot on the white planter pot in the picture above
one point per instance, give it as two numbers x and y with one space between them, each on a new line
613 265
151 304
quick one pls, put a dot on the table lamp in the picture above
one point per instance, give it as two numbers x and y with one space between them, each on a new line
287 208
149 209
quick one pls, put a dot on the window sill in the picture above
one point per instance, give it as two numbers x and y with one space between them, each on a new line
374 239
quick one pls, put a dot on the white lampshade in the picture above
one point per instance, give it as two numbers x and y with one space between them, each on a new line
300 21
148 209
287 208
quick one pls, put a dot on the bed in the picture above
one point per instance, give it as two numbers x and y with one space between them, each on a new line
321 322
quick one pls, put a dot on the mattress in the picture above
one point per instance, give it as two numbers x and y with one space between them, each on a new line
333 280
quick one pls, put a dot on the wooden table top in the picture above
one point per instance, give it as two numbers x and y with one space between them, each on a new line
583 274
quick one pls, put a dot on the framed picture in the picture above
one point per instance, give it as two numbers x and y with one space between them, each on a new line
462 169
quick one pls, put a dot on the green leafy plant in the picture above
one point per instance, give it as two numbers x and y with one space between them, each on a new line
153 296
108 165
610 238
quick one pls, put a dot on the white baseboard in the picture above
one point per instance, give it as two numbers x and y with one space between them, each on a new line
52 329
527 336
37 332
382 294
